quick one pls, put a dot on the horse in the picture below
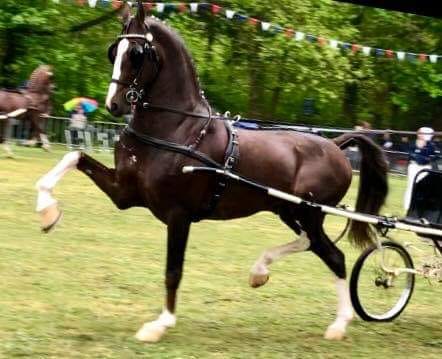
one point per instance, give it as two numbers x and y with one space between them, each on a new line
173 126
35 100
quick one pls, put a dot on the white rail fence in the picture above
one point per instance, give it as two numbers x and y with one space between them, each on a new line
101 136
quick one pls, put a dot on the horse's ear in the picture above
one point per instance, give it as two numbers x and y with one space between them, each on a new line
124 13
141 14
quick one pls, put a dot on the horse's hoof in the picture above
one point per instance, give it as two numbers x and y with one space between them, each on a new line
50 216
47 148
334 334
258 280
151 333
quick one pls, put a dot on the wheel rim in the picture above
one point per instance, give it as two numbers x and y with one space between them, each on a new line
383 295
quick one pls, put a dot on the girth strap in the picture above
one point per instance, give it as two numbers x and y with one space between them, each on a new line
230 160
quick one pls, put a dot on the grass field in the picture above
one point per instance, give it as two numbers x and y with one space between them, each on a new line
84 290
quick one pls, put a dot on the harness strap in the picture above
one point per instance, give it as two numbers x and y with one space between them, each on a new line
230 159
173 147
148 106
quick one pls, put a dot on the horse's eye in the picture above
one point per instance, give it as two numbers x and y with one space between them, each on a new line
111 53
137 55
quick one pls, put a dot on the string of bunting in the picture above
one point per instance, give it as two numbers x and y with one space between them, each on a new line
268 27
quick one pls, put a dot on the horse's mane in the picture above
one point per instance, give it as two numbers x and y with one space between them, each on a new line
37 81
163 27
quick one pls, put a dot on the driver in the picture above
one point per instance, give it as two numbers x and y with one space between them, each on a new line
420 155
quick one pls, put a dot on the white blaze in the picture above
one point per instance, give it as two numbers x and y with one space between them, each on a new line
121 50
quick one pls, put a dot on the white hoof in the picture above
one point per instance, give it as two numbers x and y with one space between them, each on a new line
151 332
334 333
46 147
49 217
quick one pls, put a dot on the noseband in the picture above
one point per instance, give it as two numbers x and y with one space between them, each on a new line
135 93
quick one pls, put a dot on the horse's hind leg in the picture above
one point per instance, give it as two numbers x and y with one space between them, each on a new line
259 274
322 246
5 134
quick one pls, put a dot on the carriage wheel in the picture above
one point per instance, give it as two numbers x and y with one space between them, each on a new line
377 294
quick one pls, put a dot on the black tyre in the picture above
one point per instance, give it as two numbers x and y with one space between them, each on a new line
377 294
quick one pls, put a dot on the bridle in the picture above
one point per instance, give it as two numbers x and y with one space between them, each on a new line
136 94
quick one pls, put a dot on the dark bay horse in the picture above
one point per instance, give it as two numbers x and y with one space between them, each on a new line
35 100
151 64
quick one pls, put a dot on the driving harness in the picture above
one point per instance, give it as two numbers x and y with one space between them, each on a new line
136 94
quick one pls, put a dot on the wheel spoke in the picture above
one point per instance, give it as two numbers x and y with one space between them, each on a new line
377 294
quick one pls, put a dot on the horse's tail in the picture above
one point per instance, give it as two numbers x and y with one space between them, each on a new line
373 185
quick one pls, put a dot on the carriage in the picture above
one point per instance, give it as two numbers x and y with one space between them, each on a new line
383 276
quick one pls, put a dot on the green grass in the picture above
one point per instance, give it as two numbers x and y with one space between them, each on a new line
84 290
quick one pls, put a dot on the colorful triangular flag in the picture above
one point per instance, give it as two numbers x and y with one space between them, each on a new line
160 7
230 14
433 58
400 55
299 36
265 26
194 7
334 44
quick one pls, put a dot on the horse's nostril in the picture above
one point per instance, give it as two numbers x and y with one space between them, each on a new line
114 107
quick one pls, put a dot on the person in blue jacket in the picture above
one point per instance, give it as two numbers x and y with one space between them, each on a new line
421 154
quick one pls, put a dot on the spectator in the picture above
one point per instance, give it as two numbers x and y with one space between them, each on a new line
365 128
387 143
420 155
404 145
77 125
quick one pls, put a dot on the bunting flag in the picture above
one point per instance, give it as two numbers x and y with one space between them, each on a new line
268 27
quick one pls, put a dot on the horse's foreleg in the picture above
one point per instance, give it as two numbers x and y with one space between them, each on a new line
7 149
103 177
46 203
46 145
177 234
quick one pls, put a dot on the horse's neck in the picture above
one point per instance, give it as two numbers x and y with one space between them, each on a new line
177 88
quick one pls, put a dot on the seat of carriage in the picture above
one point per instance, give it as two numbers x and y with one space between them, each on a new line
426 201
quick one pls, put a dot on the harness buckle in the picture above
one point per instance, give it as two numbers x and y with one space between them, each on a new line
230 162
133 96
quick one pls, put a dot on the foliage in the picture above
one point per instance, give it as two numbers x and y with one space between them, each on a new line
244 70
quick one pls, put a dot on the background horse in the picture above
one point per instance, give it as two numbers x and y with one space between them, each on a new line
152 64
35 99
